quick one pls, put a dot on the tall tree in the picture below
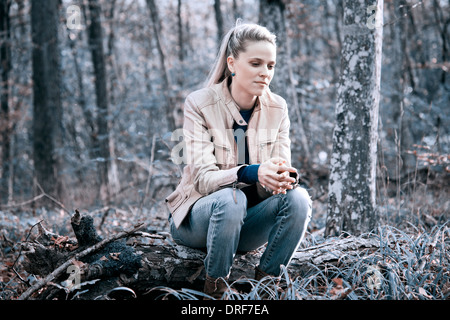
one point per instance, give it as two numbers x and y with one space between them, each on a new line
219 20
180 32
5 125
402 122
47 108
351 198
113 172
272 14
167 83
95 35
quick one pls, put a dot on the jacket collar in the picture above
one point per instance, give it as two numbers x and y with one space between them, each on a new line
225 95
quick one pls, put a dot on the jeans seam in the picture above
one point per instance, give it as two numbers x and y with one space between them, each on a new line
276 237
210 252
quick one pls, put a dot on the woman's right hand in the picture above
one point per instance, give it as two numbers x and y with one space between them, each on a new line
274 175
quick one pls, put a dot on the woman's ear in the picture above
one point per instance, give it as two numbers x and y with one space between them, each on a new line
230 63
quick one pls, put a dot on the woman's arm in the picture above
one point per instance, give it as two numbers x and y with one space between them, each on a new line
207 176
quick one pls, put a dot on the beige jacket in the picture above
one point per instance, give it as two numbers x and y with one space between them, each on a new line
209 147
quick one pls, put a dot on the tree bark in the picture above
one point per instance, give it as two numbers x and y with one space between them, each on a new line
5 125
47 107
95 35
219 20
180 32
402 122
351 199
113 170
166 85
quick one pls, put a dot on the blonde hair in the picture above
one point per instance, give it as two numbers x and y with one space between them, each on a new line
233 43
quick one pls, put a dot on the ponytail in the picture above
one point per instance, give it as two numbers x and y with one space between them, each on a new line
233 43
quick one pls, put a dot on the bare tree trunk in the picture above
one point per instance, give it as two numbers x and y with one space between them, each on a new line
180 32
167 86
95 35
442 29
402 123
272 15
219 20
351 199
5 125
113 172
47 111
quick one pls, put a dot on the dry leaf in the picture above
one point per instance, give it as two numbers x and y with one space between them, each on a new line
60 241
338 282
115 255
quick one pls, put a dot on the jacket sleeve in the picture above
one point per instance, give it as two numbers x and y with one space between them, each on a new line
283 143
207 176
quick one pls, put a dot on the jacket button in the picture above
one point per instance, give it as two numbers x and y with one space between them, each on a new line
241 121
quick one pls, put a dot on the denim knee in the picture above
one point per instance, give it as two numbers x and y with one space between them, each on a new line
233 204
300 202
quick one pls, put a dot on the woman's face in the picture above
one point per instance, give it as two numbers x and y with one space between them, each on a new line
254 68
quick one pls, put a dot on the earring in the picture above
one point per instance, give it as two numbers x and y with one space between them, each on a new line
233 74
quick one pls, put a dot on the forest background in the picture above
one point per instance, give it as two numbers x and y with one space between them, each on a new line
102 144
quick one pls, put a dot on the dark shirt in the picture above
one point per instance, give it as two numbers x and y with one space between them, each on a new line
247 174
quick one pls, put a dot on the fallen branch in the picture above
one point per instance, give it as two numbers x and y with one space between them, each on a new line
62 268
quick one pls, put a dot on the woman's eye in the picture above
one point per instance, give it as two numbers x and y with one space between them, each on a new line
271 67
255 64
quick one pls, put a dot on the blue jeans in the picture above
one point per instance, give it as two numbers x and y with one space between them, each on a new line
222 226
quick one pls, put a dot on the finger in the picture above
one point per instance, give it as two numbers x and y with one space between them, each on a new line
284 168
279 190
277 160
285 179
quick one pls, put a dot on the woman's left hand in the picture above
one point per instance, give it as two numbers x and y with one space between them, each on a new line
275 175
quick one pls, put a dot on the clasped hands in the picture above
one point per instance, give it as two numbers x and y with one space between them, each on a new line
274 175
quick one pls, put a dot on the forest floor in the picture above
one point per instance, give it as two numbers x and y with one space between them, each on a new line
414 221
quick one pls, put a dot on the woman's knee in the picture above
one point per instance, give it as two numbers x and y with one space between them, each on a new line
301 202
231 203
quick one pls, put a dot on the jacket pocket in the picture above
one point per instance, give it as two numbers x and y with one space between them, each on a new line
222 154
266 150
176 199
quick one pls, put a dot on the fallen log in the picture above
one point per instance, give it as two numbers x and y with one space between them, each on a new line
92 268
182 267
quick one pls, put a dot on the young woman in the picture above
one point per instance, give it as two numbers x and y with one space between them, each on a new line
238 190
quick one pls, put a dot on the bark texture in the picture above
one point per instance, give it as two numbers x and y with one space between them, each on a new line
95 34
351 200
47 106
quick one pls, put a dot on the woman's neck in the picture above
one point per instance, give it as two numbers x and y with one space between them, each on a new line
244 101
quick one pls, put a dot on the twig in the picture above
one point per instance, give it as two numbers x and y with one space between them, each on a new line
53 199
20 252
58 271
23 203
150 174
43 194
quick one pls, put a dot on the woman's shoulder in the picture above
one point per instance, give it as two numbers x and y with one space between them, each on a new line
274 100
202 97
